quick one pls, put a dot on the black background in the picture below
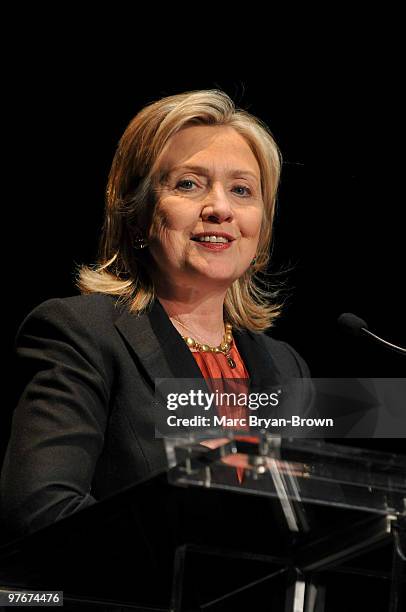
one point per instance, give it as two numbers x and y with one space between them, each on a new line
339 226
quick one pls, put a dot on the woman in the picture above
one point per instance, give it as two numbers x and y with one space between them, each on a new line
190 203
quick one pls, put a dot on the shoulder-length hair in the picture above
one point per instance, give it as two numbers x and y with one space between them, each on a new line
131 198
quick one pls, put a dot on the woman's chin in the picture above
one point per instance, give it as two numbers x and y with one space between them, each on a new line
223 277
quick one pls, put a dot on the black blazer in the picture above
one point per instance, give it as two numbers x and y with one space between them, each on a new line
83 428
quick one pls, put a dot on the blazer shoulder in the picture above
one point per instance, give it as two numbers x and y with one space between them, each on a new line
91 315
79 327
285 356
89 308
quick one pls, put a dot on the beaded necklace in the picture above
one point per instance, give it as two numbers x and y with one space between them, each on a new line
224 346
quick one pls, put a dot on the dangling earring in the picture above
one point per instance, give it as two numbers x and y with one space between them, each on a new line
140 243
253 262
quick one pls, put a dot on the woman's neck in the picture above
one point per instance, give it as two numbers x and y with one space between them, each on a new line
200 318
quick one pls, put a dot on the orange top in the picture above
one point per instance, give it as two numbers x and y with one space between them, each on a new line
215 366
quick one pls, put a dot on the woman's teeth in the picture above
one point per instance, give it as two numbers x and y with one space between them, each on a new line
211 239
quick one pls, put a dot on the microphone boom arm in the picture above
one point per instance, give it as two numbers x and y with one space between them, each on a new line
394 347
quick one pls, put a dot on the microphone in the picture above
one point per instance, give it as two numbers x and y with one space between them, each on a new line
357 327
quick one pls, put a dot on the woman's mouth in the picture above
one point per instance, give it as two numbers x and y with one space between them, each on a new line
215 243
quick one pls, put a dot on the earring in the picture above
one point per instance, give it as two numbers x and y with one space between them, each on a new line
253 262
140 243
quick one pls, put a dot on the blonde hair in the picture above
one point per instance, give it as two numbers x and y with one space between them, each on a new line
131 200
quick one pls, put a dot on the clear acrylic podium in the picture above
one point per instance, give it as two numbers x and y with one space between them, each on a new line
302 474
258 523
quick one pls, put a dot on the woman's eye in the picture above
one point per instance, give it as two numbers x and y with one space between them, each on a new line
248 190
182 184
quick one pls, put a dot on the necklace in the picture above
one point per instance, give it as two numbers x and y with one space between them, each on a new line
224 346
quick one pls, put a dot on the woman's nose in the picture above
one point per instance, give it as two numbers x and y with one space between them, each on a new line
217 204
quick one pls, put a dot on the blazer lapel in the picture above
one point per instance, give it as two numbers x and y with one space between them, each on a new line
157 344
163 354
265 377
261 368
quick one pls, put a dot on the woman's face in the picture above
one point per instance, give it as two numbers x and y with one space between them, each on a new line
209 184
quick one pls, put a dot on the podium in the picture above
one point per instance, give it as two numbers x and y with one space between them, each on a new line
258 523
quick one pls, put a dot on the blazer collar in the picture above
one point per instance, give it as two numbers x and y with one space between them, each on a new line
163 353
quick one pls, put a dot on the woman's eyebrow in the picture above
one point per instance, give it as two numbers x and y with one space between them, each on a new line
206 171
